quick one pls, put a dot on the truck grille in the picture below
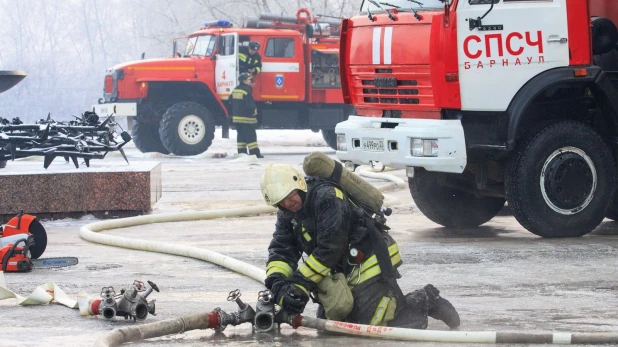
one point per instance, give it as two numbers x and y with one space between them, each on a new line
393 86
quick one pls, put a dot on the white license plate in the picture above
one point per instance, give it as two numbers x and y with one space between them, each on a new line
103 110
373 145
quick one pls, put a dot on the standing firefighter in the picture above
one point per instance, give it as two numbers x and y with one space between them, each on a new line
244 116
351 264
250 61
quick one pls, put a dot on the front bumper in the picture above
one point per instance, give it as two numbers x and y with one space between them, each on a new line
127 109
396 153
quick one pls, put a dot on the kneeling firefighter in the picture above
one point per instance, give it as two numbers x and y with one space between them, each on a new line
352 262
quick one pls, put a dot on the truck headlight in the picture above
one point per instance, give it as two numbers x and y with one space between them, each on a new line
341 145
424 148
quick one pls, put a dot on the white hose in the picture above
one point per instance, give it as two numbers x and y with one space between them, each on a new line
90 233
395 183
42 295
458 336
178 325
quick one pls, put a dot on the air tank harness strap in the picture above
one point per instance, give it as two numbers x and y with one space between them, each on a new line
384 261
336 175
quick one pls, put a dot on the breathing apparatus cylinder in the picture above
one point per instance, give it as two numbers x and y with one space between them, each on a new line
319 164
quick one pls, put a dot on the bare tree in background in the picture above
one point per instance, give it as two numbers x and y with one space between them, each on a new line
65 47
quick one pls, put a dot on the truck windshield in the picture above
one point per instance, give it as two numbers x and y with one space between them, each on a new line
201 45
402 5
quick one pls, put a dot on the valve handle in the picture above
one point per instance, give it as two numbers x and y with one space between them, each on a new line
139 285
108 292
153 286
234 295
265 296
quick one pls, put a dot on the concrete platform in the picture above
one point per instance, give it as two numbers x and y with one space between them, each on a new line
106 190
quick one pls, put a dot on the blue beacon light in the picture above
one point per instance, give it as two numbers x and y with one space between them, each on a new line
221 23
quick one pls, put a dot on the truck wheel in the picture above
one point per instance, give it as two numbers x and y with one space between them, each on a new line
330 137
450 207
2 164
560 181
146 137
612 209
187 128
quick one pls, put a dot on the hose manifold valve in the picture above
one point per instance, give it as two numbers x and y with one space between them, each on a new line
129 303
264 317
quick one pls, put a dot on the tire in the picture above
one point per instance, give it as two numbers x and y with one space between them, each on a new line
560 180
146 137
187 128
2 164
330 137
450 207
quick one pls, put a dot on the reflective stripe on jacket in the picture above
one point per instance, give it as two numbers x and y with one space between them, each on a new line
248 61
244 110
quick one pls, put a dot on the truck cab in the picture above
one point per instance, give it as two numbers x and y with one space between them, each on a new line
282 60
175 103
485 102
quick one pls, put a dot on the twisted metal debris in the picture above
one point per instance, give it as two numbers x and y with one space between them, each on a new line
86 138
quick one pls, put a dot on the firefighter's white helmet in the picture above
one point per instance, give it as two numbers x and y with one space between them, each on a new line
279 181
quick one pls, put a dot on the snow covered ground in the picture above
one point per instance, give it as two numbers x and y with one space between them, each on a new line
269 141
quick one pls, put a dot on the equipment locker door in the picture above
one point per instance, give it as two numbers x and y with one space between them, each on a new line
518 40
283 70
226 65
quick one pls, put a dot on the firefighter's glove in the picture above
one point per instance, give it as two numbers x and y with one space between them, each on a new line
275 282
292 298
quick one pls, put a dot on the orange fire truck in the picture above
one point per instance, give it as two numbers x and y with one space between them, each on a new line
487 101
174 104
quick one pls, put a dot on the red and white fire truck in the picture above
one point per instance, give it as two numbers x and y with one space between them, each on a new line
487 101
173 104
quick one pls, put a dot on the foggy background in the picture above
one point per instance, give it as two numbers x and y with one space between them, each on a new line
65 46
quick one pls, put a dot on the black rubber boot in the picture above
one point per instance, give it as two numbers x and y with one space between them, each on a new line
440 308
242 150
256 151
414 314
